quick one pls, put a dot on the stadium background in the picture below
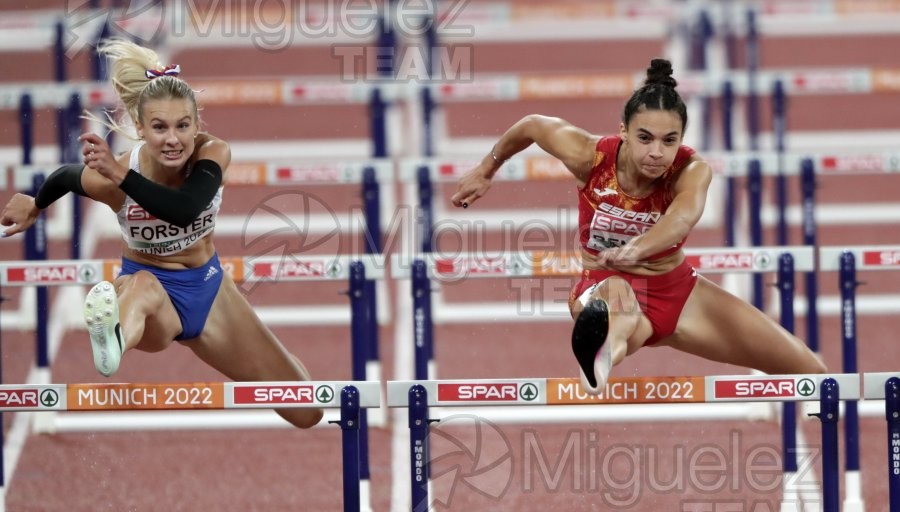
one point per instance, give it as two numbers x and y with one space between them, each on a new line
282 469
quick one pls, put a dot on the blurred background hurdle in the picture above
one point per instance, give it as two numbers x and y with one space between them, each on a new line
350 397
419 396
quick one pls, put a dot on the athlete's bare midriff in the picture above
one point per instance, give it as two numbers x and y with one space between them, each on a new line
192 257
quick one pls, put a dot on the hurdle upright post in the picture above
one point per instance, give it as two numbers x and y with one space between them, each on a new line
829 415
36 250
371 192
752 50
779 126
418 444
26 127
350 414
892 414
359 348
358 327
808 190
69 153
422 327
386 49
430 39
848 284
754 191
727 102
425 215
788 409
378 121
428 106
700 33
98 63
59 75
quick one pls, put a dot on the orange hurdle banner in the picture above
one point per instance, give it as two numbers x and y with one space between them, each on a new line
271 268
183 396
630 390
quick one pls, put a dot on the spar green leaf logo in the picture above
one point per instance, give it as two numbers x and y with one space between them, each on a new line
806 387
324 394
49 398
528 392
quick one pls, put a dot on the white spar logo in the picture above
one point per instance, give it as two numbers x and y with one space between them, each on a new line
735 260
19 398
488 392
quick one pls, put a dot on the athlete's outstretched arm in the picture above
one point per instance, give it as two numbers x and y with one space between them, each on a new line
22 210
573 146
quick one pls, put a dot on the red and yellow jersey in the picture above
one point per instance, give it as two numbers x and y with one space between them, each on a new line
607 216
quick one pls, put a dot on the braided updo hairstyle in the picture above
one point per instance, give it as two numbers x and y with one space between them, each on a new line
657 93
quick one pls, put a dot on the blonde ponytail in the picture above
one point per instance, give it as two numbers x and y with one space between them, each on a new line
137 76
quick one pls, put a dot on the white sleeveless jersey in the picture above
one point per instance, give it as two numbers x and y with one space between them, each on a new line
149 235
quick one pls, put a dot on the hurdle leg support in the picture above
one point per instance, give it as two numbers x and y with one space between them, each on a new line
350 443
892 414
418 444
830 416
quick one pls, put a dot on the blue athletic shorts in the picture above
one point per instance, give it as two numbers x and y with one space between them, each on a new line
192 291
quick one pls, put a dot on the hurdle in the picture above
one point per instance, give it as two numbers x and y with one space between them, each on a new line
846 262
356 271
351 397
245 270
757 261
419 395
544 264
886 386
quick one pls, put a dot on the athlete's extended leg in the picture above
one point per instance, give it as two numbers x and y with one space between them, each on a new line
718 326
149 320
236 343
133 313
608 325
101 316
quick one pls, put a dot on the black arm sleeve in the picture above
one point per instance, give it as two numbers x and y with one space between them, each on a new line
176 206
62 181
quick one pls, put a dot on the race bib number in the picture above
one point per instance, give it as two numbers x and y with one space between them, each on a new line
614 227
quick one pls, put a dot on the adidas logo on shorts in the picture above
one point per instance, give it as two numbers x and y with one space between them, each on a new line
210 272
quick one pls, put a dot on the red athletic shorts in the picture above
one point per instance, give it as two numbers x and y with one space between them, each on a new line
661 297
